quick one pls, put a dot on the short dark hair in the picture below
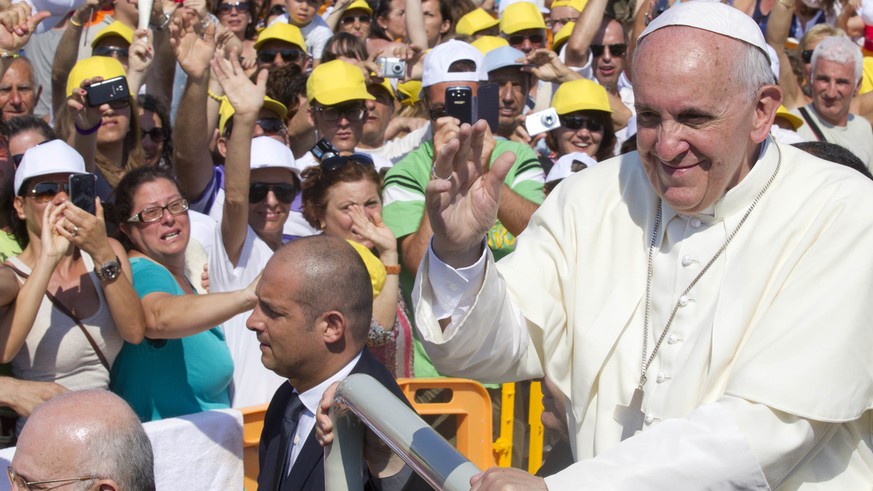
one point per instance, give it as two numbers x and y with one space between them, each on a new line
29 122
124 192
835 153
346 45
285 83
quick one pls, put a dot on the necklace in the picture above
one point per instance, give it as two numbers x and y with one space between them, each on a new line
631 416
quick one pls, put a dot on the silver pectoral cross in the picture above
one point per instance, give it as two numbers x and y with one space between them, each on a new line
631 417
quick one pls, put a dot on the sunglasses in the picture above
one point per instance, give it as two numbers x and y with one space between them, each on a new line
155 213
226 8
550 23
518 39
119 103
283 191
110 52
353 112
271 126
288 55
578 122
618 49
807 55
156 134
17 158
335 163
350 19
45 191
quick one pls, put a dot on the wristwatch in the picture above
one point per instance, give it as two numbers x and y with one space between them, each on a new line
109 270
162 25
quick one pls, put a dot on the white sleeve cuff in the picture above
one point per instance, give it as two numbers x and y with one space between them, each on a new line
454 290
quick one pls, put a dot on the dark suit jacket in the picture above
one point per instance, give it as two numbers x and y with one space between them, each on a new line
307 474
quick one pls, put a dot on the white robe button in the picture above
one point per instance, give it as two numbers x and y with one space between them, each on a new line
683 300
672 339
695 223
660 378
453 287
687 260
650 418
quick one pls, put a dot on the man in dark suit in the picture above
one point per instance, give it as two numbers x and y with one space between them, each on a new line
312 318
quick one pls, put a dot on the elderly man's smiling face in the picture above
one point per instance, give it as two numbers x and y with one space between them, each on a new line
698 127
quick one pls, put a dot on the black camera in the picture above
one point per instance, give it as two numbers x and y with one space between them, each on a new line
323 150
107 91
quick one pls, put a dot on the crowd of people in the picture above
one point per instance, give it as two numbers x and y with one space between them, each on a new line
425 136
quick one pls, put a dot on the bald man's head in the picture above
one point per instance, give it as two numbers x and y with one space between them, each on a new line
86 434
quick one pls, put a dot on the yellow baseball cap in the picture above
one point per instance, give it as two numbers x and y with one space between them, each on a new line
580 95
374 267
520 16
226 110
409 92
488 43
574 4
282 31
474 21
336 82
386 84
794 120
114 29
95 66
562 36
360 4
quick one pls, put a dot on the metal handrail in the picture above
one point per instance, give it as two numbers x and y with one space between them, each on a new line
360 398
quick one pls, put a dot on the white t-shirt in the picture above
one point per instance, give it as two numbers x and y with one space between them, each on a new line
252 382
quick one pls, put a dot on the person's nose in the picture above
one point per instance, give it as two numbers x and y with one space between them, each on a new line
671 144
506 92
278 60
253 323
15 97
271 198
526 45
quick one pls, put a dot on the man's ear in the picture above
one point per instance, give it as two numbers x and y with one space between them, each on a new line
108 485
333 326
768 100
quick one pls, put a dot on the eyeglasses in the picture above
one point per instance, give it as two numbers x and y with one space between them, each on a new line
17 158
578 122
350 19
45 191
18 482
226 8
550 23
155 213
353 112
110 51
283 191
518 39
271 126
119 103
807 55
334 163
156 134
618 49
288 55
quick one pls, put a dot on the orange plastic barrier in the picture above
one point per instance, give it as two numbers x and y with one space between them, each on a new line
253 424
469 403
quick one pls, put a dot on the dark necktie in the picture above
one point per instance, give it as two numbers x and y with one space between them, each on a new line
289 424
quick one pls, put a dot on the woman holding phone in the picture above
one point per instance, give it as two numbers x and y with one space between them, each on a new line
74 304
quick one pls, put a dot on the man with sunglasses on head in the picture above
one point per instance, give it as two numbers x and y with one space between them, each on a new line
281 44
453 64
261 182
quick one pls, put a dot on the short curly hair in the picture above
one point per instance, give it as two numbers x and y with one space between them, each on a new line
316 183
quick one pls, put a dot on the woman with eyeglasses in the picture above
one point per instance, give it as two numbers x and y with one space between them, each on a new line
74 304
184 365
585 120
156 140
107 135
342 197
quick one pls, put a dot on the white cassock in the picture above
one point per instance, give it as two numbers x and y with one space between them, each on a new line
766 376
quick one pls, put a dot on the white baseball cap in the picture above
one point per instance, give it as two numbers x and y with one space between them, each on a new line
564 166
438 60
267 153
51 157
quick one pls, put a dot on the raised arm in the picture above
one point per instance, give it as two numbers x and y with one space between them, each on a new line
85 119
247 99
142 54
191 159
587 25
415 24
67 53
778 27
160 77
339 7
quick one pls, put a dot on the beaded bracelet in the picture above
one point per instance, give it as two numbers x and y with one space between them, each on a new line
89 131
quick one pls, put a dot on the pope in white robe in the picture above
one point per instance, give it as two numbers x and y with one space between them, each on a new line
764 379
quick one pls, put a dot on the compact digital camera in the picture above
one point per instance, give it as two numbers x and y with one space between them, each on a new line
391 67
542 121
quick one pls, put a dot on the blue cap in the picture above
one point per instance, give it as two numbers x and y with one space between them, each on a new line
502 57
